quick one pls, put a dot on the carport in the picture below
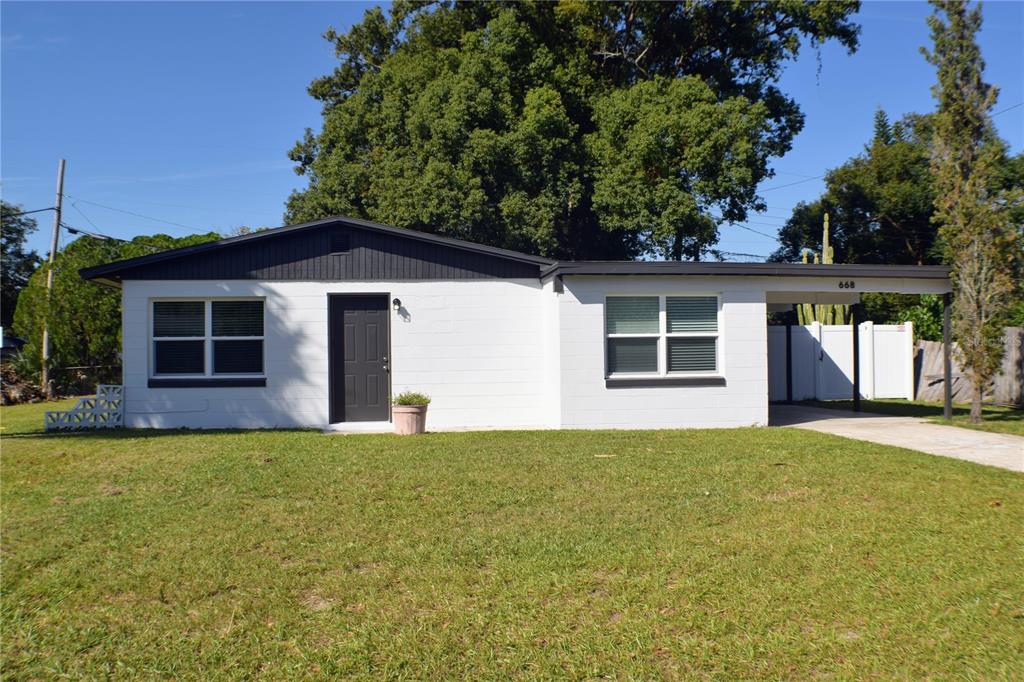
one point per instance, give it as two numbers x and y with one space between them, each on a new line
844 284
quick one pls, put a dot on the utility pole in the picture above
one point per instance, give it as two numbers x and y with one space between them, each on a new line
45 374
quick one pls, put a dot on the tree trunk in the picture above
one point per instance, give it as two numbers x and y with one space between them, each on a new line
976 404
677 247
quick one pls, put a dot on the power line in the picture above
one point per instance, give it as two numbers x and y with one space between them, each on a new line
746 222
38 210
742 255
250 212
755 222
106 237
795 175
96 235
74 205
137 215
1003 111
750 229
790 184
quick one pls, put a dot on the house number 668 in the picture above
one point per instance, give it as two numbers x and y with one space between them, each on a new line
847 284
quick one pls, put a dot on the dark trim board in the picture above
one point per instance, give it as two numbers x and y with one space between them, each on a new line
652 382
842 270
213 382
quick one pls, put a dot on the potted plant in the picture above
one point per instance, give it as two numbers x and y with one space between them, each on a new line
410 412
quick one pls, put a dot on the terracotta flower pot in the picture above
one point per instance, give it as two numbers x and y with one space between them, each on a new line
409 419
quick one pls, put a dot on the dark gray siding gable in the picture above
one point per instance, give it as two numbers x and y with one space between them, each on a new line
310 255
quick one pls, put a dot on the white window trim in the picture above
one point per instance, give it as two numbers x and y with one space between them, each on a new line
663 335
207 338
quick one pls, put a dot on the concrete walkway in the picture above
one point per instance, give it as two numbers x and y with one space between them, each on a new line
995 449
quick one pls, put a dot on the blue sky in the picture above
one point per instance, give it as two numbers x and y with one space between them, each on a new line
184 112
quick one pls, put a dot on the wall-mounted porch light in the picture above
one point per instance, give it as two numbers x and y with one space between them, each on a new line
396 304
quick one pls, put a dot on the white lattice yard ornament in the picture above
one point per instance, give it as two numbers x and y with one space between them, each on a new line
105 410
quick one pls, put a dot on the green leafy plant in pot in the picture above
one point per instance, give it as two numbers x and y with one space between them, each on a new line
409 410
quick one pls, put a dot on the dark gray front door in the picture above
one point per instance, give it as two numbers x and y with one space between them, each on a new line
358 358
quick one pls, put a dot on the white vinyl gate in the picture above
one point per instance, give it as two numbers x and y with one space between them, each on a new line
822 363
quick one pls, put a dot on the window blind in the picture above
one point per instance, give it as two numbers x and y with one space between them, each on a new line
627 356
692 314
238 357
179 318
632 315
179 357
237 318
691 354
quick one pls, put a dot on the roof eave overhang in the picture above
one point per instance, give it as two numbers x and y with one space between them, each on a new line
706 269
112 282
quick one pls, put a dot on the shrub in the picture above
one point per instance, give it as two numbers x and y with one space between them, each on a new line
411 398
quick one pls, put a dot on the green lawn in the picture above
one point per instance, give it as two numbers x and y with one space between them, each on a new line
994 418
746 553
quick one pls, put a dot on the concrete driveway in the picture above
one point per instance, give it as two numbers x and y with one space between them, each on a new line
994 449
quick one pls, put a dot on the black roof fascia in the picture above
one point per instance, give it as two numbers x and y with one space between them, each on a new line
109 271
635 268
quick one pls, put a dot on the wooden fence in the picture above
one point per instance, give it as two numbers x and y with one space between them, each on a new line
1007 389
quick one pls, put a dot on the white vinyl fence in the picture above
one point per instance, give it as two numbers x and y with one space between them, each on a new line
822 361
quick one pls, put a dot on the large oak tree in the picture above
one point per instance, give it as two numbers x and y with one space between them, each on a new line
570 129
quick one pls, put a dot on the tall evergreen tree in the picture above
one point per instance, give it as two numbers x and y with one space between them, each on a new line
570 129
974 221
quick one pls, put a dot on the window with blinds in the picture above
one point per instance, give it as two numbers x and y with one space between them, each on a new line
661 335
691 327
632 328
208 338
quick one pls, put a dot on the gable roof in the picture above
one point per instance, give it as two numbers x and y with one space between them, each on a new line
153 264
382 252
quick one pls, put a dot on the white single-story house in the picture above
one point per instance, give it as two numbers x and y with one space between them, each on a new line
318 325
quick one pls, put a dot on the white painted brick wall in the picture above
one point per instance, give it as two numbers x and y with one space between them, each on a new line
476 347
503 354
586 403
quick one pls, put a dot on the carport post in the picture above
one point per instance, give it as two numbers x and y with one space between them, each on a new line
947 360
856 356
